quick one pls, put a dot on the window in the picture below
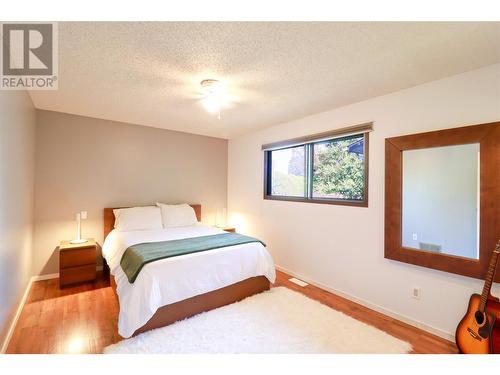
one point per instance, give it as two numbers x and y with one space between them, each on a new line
327 168
288 171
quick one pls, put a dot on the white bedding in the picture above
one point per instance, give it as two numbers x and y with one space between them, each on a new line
174 279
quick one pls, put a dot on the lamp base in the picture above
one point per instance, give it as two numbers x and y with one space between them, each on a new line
78 241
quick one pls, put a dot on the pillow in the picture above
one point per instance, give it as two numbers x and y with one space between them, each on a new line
177 215
137 218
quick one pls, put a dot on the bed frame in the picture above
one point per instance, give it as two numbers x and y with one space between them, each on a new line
171 313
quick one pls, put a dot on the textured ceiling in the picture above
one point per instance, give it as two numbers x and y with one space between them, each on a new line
149 73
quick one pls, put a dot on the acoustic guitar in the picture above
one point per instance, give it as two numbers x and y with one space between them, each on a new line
476 333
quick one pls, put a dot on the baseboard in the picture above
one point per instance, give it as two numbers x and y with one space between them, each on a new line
45 277
49 276
415 323
13 323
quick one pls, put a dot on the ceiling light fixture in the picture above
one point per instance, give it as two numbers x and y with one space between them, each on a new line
214 95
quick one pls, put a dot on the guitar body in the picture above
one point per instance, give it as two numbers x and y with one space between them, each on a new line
493 307
474 332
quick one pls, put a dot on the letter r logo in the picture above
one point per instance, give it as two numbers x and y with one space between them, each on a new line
27 49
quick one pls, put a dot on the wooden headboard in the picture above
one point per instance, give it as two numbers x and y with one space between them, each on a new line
109 217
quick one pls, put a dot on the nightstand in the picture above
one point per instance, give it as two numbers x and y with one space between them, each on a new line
77 262
229 229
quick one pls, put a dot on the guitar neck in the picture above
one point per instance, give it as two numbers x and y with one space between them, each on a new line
489 278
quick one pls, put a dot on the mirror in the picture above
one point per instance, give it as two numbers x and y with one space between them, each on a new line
440 208
442 198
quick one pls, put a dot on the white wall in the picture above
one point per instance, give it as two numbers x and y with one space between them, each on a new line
17 147
440 198
342 247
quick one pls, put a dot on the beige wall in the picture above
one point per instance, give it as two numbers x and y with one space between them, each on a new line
86 164
17 144
342 247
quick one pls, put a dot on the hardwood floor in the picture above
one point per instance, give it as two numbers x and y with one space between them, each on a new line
78 319
422 342
83 319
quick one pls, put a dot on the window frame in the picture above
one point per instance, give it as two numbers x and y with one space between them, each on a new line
268 165
309 167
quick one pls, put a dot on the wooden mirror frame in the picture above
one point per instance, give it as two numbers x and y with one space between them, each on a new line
488 137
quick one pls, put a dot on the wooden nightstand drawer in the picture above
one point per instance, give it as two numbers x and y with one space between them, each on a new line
77 262
77 274
77 257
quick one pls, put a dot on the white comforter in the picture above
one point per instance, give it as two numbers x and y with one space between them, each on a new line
174 279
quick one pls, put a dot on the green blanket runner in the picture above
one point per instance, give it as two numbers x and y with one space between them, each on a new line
136 256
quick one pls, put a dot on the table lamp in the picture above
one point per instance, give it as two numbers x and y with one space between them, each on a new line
78 230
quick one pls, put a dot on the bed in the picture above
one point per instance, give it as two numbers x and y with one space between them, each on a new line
171 289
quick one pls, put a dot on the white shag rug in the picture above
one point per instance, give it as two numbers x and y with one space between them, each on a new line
277 321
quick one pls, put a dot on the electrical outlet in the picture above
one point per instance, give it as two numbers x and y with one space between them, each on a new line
416 293
83 215
414 236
